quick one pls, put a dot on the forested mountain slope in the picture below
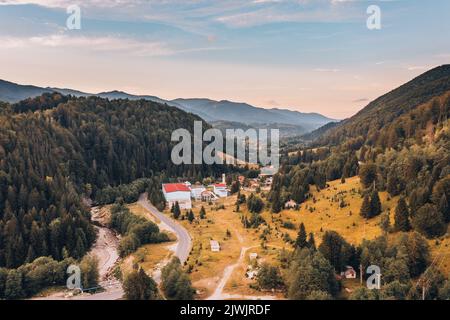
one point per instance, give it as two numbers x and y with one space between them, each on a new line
400 144
382 111
54 149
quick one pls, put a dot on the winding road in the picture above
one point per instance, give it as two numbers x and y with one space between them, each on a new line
184 240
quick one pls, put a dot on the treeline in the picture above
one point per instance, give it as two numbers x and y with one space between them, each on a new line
130 193
55 149
294 181
314 273
29 279
136 231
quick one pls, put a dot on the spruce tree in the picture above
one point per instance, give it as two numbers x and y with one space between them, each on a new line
202 213
401 216
385 223
311 242
276 205
176 210
375 204
444 208
301 242
191 216
365 207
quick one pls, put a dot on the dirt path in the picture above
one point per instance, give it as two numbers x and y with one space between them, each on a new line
105 249
218 293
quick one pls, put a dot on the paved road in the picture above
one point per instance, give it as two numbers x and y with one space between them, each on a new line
184 240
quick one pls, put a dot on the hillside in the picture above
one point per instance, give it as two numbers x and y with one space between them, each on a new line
73 147
384 110
383 175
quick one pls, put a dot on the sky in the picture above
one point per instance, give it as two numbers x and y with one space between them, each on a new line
304 55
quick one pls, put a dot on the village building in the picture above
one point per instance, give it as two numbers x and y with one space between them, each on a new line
215 246
349 273
207 196
267 171
196 191
220 190
177 192
291 204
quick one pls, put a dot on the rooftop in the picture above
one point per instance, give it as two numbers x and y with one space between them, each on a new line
220 185
175 187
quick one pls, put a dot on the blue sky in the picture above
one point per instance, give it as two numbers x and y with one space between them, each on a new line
312 56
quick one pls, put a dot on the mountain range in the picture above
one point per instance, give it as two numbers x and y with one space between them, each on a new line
289 122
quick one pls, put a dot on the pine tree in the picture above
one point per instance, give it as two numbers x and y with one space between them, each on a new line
176 210
311 242
401 216
385 223
365 207
444 208
392 184
202 213
301 242
276 205
375 204
191 216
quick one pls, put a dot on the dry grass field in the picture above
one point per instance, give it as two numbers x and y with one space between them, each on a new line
323 212
148 256
320 213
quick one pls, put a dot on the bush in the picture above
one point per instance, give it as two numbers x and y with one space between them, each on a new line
136 230
269 277
254 204
139 286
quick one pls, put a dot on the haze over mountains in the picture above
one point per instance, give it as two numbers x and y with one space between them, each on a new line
216 112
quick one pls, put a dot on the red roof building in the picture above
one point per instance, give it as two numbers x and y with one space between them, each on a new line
175 187
220 185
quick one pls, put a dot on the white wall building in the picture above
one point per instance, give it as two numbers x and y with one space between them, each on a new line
215 246
196 191
177 192
220 189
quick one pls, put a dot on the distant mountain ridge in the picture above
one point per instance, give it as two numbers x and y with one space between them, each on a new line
209 110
